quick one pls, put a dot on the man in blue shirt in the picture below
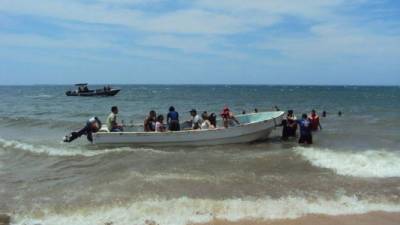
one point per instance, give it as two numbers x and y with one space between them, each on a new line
305 130
173 119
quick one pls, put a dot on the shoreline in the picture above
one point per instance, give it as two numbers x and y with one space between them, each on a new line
371 218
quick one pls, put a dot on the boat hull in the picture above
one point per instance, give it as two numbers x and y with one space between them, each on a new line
99 92
239 134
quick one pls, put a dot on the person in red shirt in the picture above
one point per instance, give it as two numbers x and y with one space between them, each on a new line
314 118
228 117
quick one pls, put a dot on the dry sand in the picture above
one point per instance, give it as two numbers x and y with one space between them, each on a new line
373 218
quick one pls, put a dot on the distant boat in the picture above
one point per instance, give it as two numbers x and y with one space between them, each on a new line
253 127
83 90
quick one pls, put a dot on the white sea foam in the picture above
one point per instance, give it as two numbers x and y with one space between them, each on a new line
369 163
185 210
40 96
64 150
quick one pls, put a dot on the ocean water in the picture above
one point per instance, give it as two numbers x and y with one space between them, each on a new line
353 166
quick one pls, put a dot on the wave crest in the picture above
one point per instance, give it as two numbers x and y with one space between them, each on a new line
184 210
369 163
64 150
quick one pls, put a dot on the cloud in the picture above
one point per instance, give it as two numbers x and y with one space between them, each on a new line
333 41
256 35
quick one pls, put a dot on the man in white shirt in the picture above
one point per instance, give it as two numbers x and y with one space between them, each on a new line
196 120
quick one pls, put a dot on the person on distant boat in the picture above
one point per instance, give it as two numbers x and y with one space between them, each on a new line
206 124
93 125
213 119
305 130
160 127
112 123
150 122
314 119
228 117
196 120
173 119
291 123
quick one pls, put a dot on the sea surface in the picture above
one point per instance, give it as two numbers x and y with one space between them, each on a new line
353 167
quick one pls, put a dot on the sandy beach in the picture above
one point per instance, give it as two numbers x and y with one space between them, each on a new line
373 218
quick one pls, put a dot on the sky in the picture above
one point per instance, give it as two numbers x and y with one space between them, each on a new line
307 42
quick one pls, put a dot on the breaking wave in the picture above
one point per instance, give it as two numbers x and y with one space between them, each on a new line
184 210
369 163
64 150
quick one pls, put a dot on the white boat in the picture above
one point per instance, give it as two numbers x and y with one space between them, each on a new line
253 127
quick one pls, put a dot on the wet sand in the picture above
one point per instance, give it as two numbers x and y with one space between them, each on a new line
373 218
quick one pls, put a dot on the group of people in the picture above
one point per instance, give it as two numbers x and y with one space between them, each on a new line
307 124
155 123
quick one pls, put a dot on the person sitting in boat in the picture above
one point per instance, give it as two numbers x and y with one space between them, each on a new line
213 119
206 124
173 119
93 125
314 119
228 117
195 121
305 130
150 122
291 124
112 123
160 127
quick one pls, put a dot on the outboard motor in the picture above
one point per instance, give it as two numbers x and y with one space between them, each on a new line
93 125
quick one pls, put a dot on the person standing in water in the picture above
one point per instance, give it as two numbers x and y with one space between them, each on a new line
291 124
324 113
112 123
228 117
173 119
305 130
314 119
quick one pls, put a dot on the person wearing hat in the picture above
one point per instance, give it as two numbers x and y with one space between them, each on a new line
196 120
228 117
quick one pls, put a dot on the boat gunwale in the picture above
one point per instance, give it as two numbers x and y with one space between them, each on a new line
144 133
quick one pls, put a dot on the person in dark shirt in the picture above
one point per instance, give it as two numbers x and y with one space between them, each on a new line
291 123
213 119
150 122
173 119
92 126
305 130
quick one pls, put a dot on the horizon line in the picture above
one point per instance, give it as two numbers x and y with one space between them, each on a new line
217 84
